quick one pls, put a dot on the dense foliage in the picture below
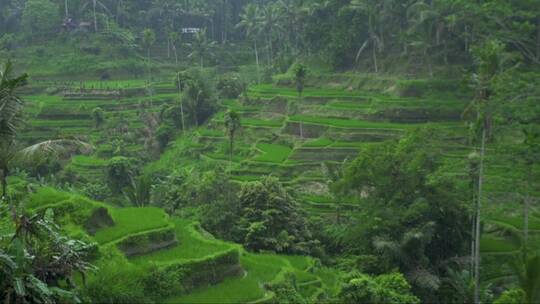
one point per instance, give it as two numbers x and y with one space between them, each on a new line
288 151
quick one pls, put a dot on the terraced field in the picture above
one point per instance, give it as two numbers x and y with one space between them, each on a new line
284 135
214 271
64 109
290 136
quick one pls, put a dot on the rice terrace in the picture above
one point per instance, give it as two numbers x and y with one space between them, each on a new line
270 151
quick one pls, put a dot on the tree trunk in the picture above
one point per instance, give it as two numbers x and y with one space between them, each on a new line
149 79
148 65
175 55
338 214
224 23
182 115
527 205
231 143
474 179
66 8
477 222
473 243
257 61
538 38
3 198
268 55
181 102
374 53
95 17
168 47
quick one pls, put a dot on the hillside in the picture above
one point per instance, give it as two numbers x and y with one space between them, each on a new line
271 151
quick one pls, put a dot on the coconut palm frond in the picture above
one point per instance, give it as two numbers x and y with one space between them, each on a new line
57 147
528 274
384 245
424 279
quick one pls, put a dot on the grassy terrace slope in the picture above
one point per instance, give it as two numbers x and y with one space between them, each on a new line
284 135
290 136
188 246
64 109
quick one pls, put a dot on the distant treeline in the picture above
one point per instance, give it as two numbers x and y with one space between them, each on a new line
370 33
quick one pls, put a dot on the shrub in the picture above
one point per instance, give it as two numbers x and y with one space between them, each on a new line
389 288
270 219
117 281
119 170
230 86
98 116
512 296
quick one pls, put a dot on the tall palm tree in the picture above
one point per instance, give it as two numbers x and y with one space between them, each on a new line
250 20
269 24
66 9
291 11
371 8
232 125
201 47
175 39
95 4
148 40
423 18
532 156
180 101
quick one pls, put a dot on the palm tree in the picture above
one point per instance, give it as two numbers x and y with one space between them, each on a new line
269 23
232 125
95 4
371 9
193 96
66 8
201 47
250 22
148 40
291 12
300 73
528 273
138 192
424 18
180 101
409 254
532 154
11 106
174 39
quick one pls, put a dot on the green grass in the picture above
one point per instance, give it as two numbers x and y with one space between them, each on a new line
131 220
518 222
210 132
46 196
88 161
319 142
356 106
272 153
349 123
260 269
253 122
490 244
268 90
235 105
191 245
